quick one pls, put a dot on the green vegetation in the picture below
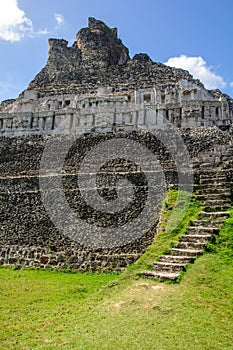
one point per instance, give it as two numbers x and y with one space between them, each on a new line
224 241
58 310
166 237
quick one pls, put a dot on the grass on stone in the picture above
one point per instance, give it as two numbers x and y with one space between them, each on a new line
166 238
224 241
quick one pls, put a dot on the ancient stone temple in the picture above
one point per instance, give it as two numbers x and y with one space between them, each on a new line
93 93
97 73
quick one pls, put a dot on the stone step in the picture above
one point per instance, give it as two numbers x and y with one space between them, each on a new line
168 267
180 259
225 185
196 238
228 165
223 215
213 180
205 165
210 208
161 276
202 230
198 234
212 190
208 223
213 174
218 202
192 253
205 191
213 196
221 179
191 245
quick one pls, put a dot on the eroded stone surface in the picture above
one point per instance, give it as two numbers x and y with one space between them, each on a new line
94 85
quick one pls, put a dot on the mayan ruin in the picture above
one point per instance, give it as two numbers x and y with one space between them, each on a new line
96 90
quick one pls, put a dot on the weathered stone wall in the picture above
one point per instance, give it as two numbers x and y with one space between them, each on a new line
104 114
29 238
96 75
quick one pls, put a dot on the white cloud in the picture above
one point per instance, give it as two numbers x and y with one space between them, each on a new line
59 19
14 24
199 69
231 84
41 32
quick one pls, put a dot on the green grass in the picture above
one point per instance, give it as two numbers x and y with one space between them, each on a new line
37 303
224 241
57 310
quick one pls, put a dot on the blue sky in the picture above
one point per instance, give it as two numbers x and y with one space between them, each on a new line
196 35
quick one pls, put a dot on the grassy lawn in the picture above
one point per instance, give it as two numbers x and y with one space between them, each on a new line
36 304
57 310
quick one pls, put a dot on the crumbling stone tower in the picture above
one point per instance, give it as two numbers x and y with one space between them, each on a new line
97 72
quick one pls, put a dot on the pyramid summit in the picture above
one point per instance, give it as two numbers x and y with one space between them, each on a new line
97 71
99 58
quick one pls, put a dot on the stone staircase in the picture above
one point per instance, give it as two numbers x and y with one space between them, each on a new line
214 190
